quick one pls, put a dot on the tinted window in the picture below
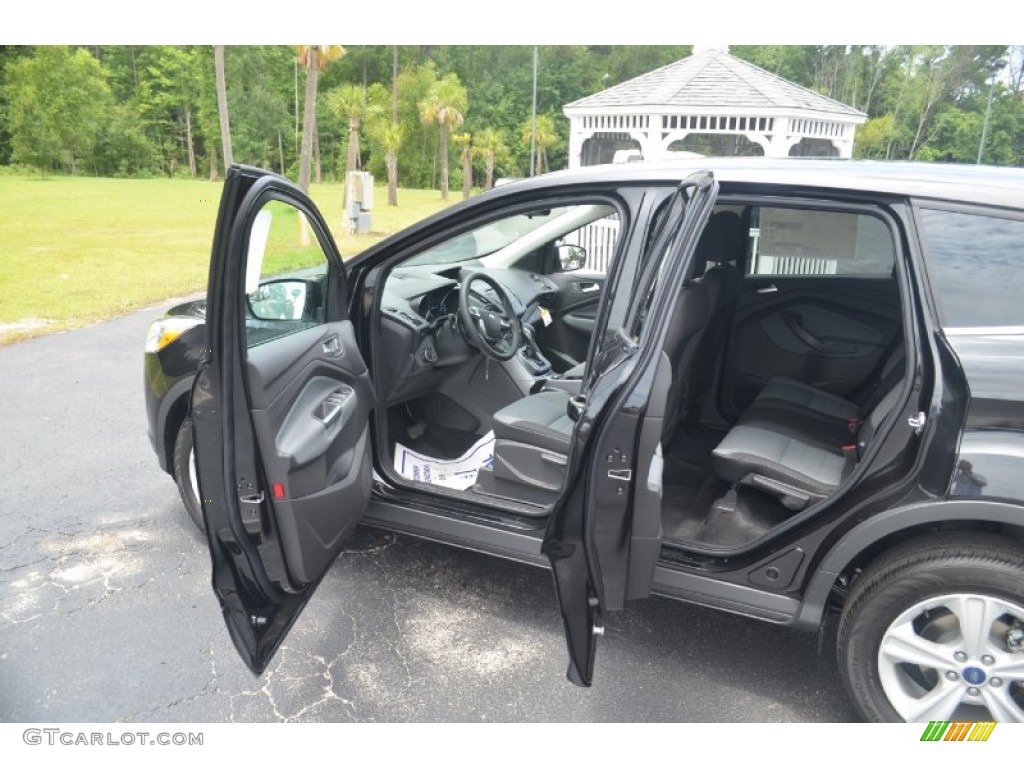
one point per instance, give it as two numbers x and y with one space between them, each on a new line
977 268
285 267
598 239
804 242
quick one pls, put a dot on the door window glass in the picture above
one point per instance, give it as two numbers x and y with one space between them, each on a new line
593 245
288 294
802 242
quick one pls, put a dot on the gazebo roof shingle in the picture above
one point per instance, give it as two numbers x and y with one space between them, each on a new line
711 79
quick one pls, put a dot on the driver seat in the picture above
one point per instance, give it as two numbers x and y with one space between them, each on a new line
531 446
540 419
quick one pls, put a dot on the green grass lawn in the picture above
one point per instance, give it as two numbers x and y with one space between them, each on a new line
77 250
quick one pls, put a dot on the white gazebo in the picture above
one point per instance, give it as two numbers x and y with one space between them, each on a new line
709 103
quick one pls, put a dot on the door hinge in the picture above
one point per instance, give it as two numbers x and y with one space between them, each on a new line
917 422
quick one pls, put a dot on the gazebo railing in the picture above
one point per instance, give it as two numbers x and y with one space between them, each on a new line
794 265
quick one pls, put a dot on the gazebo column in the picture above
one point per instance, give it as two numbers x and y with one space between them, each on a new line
650 143
577 135
781 141
845 143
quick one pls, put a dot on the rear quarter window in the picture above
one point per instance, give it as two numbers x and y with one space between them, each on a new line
976 266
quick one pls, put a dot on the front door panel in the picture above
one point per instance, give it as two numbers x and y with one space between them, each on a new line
566 340
280 410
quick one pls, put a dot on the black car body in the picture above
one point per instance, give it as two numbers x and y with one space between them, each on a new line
790 390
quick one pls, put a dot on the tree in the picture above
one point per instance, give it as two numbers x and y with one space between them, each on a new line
349 102
314 58
490 145
445 104
222 106
57 102
390 136
464 141
546 137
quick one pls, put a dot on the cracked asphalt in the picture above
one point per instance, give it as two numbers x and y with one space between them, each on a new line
106 612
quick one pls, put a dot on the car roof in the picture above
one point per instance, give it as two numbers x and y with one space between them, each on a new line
982 184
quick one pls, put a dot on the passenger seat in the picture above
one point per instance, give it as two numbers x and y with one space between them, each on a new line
798 443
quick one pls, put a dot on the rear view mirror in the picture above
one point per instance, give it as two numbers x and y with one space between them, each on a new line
571 257
284 300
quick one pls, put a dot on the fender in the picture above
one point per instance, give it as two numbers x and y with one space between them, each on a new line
180 388
878 527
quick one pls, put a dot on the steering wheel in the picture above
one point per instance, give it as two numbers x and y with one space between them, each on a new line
496 334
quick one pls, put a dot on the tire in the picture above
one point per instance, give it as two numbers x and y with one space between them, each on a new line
184 469
912 600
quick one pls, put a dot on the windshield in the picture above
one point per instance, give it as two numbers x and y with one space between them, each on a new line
486 239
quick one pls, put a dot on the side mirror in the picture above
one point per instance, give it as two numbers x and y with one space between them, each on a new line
571 257
285 299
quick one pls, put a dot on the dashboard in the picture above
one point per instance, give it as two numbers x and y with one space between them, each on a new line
420 297
420 327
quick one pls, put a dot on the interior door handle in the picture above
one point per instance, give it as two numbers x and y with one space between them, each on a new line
331 406
332 346
768 289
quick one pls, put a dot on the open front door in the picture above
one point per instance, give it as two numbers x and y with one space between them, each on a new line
604 535
280 410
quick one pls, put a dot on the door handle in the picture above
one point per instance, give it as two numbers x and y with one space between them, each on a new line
769 289
332 346
331 406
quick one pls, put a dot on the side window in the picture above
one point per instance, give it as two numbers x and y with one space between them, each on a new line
976 268
591 247
801 242
285 275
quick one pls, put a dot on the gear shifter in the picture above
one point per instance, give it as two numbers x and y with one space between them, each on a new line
538 364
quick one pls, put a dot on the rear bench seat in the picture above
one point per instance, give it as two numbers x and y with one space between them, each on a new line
798 443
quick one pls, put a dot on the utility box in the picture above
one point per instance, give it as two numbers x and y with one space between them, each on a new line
359 197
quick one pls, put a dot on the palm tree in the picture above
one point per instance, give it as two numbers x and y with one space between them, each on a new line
222 106
445 105
314 58
390 136
348 102
546 136
464 141
490 144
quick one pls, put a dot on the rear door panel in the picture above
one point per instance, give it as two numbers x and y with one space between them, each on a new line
830 332
604 534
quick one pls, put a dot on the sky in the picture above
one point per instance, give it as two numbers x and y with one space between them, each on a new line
521 22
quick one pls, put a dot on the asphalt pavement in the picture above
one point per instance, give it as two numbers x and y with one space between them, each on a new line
106 611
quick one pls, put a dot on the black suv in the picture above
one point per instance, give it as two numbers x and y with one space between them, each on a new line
786 389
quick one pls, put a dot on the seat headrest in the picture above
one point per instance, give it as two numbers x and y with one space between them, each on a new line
724 239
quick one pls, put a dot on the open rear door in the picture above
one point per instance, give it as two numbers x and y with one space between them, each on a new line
280 410
604 535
